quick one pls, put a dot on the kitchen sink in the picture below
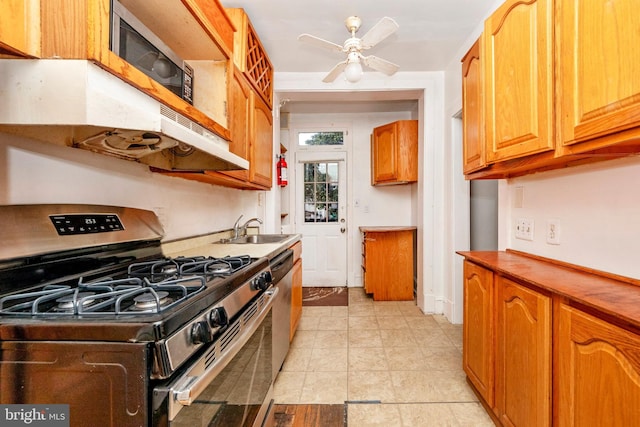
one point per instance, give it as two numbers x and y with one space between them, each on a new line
259 238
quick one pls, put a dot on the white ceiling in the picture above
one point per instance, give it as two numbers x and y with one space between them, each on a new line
431 31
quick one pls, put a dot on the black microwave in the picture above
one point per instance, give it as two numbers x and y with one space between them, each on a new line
135 43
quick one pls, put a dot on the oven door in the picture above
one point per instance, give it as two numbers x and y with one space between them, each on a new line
231 382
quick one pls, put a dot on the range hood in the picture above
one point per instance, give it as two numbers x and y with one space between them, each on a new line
76 103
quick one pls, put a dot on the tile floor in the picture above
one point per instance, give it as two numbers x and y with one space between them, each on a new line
391 364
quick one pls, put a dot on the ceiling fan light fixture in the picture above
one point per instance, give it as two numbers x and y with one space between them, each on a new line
353 72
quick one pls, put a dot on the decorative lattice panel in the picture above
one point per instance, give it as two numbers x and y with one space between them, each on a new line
259 68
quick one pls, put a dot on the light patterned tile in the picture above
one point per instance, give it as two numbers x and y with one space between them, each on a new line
368 415
331 339
442 358
471 415
313 311
361 310
304 339
333 323
362 323
308 323
405 358
288 387
364 338
367 359
427 414
370 386
386 309
319 387
297 359
423 322
431 386
328 360
397 338
431 338
392 322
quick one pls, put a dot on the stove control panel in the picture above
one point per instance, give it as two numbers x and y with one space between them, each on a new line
86 223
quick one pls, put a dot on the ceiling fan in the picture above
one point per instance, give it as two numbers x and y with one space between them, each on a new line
353 47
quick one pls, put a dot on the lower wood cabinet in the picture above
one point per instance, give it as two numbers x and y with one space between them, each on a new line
478 330
523 356
388 262
536 357
296 289
598 372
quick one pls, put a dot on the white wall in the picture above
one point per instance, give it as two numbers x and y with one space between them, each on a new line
37 172
598 207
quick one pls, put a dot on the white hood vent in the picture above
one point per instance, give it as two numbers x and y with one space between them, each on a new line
76 103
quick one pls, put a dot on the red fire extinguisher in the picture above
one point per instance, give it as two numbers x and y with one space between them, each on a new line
282 172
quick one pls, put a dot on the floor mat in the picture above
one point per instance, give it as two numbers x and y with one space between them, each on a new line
325 296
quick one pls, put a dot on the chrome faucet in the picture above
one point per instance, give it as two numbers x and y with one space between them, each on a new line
239 230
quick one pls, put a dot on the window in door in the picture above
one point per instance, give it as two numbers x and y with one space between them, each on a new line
320 138
321 192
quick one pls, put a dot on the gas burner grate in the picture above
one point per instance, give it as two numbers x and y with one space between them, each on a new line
107 296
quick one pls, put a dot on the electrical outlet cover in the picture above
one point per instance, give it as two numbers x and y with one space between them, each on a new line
553 231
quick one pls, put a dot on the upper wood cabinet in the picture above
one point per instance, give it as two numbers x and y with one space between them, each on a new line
473 145
198 31
251 124
250 56
478 330
394 153
517 58
19 28
598 369
598 64
523 358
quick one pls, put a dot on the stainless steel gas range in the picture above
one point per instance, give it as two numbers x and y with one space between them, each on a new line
93 316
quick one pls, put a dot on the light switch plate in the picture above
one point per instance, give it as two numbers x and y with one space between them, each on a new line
524 229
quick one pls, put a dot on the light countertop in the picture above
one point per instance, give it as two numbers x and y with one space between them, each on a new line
209 246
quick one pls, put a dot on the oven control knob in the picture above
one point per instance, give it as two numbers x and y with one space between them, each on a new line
200 333
262 281
218 318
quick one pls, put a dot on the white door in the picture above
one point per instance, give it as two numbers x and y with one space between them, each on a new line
321 217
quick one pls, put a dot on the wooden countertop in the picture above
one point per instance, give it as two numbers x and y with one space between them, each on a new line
385 228
615 296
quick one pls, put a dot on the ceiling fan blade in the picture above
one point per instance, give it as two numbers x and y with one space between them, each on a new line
379 64
335 72
316 41
383 29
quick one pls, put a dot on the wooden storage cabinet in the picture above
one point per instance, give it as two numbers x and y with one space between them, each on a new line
250 56
598 371
394 153
523 357
473 144
598 64
388 262
567 341
478 330
517 58
19 28
296 289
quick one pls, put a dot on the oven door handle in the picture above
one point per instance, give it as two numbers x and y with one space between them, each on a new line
190 387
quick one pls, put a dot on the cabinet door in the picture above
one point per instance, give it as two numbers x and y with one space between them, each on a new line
517 60
384 161
261 143
240 120
472 124
478 330
598 372
296 297
523 359
598 65
19 28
